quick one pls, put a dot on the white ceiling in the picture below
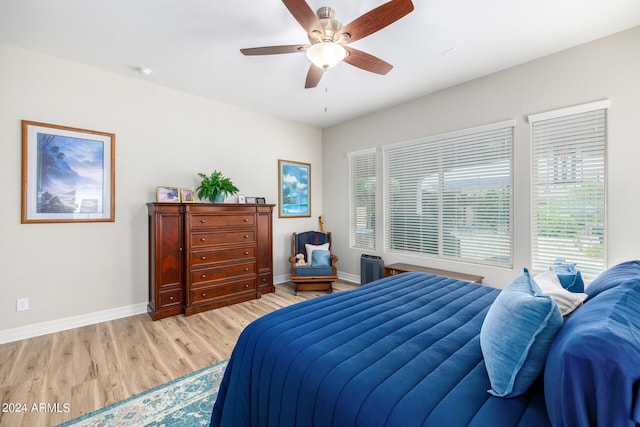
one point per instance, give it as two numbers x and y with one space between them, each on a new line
193 45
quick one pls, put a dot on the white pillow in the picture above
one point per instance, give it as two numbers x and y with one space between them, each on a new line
310 248
550 284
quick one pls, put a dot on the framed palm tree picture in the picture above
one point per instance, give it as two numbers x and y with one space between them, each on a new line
294 194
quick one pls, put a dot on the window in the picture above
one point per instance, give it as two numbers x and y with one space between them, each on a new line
362 199
568 187
450 196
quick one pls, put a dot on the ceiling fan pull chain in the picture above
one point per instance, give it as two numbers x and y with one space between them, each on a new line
325 99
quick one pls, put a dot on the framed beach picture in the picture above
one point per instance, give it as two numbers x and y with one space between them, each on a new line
294 189
68 174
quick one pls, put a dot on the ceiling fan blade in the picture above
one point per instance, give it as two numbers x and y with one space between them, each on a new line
366 61
376 19
313 76
306 17
274 50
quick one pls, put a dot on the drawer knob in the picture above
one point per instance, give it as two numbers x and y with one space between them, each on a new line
202 239
246 285
264 279
170 298
202 221
203 276
246 269
204 294
203 258
246 252
246 236
246 219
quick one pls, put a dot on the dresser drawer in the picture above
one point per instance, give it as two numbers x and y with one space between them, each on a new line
209 274
208 239
170 298
203 220
213 256
205 293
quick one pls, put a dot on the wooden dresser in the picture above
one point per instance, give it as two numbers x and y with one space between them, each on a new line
204 256
166 260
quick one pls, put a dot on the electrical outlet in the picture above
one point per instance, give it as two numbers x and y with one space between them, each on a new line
22 304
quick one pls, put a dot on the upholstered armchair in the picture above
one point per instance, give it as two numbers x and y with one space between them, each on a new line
319 271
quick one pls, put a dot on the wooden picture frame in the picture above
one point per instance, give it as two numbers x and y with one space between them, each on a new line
187 195
168 194
294 189
68 174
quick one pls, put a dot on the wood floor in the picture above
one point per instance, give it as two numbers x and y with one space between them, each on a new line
50 379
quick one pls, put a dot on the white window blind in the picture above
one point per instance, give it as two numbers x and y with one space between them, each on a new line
362 199
568 187
450 196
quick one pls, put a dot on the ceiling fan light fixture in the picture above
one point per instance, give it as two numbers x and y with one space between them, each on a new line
326 54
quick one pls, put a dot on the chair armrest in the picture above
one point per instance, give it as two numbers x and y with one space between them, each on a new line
292 260
334 259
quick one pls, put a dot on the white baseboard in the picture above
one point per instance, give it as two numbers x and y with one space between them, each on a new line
281 278
43 328
348 277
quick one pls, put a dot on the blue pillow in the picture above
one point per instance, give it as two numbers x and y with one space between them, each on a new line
516 335
320 258
569 277
614 276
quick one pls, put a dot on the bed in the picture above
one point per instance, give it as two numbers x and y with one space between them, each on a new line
401 351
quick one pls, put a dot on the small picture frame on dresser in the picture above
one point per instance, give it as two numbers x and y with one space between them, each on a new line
261 200
187 195
251 200
168 195
242 199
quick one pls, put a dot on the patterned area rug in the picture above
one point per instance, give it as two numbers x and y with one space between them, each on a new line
185 401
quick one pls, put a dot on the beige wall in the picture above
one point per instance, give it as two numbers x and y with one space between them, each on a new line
163 137
603 69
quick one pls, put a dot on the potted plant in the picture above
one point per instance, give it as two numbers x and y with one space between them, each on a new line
215 187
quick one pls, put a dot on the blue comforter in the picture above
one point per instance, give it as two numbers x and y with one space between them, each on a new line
593 367
402 351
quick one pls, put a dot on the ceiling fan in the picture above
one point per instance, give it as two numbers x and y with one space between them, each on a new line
329 40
